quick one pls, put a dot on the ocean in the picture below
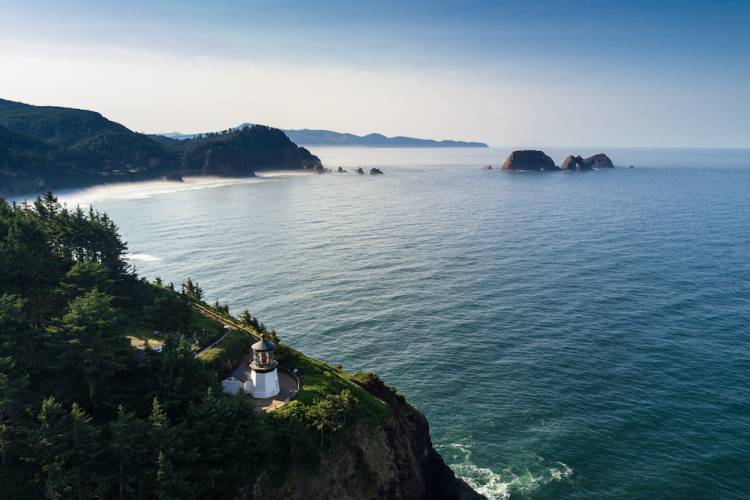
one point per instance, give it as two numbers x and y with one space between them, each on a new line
579 335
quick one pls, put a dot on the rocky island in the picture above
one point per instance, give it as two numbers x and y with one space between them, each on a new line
529 160
578 163
533 160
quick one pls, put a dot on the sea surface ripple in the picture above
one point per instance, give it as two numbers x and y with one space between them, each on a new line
567 335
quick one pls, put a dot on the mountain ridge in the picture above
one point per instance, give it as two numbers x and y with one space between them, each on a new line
324 137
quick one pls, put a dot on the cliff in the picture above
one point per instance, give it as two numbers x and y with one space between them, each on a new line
391 459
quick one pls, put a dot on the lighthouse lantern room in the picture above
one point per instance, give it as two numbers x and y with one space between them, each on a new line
264 377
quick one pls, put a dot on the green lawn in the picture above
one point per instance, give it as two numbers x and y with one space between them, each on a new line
319 379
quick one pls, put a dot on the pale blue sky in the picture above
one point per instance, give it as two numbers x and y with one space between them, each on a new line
508 73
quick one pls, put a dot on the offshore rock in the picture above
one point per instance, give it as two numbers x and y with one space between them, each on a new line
314 167
529 160
574 163
376 171
360 171
174 178
599 161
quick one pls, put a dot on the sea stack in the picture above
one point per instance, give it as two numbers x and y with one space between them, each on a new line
574 163
599 161
529 160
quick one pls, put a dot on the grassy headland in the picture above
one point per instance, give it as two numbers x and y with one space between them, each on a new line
81 415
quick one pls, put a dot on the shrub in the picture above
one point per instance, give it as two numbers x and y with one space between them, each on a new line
222 357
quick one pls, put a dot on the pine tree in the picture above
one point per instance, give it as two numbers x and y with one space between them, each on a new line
65 448
173 461
130 454
97 349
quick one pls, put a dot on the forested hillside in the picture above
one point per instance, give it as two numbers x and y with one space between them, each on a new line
86 413
48 147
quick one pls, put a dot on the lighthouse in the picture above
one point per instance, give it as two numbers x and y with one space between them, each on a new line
264 378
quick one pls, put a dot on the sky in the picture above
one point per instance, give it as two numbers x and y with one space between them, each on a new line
522 74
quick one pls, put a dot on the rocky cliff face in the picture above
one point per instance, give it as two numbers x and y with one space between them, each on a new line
392 460
529 160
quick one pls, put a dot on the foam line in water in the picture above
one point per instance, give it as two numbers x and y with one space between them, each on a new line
147 189
499 485
143 257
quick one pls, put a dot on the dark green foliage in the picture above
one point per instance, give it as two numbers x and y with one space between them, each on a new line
167 311
81 416
94 349
128 456
222 356
233 441
64 445
330 414
47 147
176 376
376 386
192 290
227 154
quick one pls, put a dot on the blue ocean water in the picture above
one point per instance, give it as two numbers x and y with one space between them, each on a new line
579 335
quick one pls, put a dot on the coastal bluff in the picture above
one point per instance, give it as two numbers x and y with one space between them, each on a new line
393 459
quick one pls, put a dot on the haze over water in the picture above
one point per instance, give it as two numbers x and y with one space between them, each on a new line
567 335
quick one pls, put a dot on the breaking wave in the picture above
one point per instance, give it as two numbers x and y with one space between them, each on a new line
147 189
143 257
497 485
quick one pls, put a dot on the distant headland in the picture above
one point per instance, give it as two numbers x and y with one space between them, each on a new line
312 137
50 147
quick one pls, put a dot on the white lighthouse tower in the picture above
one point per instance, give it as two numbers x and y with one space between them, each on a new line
264 378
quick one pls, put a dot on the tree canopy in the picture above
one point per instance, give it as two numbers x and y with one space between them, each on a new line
82 416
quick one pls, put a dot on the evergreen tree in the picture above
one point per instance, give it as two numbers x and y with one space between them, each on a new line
65 447
178 376
129 453
192 290
173 460
96 348
215 429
